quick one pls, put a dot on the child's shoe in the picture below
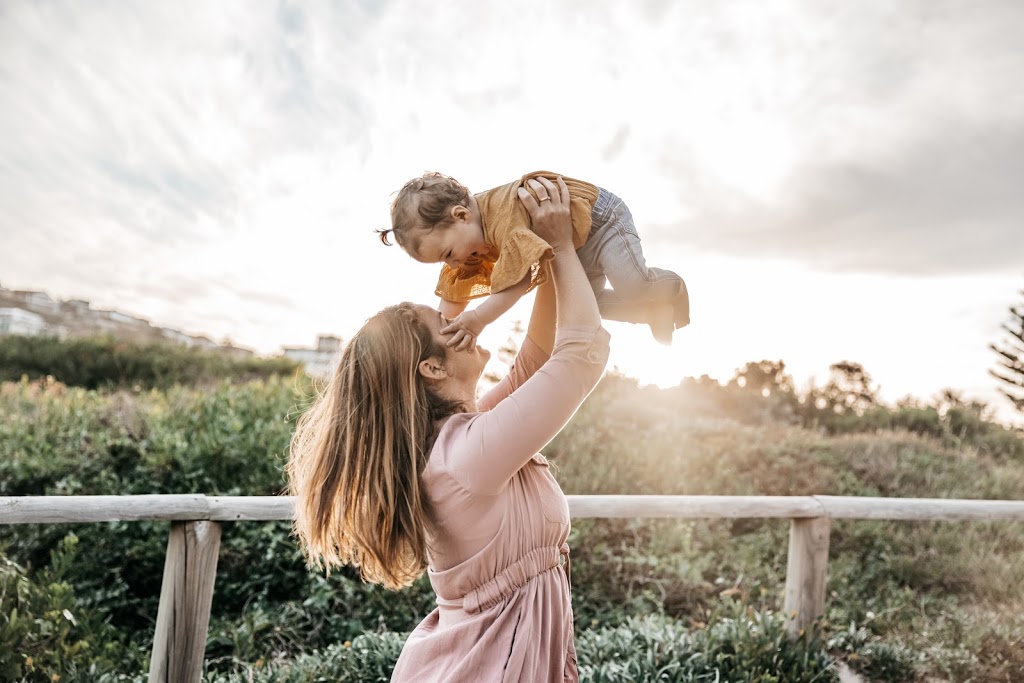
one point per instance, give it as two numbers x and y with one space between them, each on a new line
660 318
681 307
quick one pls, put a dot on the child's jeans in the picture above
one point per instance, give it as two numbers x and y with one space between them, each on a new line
613 251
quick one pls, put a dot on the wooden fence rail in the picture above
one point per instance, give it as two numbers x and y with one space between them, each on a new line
191 564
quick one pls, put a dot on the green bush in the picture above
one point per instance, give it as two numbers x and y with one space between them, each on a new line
755 647
748 647
318 612
94 362
879 661
45 632
231 439
368 658
745 646
228 440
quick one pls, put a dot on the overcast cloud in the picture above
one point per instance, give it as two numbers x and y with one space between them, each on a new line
913 126
895 130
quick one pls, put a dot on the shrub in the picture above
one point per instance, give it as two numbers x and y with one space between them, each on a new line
43 627
231 439
879 661
746 647
368 658
94 362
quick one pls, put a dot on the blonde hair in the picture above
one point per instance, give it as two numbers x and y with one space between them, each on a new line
423 203
357 454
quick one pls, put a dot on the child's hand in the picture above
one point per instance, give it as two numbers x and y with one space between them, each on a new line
464 329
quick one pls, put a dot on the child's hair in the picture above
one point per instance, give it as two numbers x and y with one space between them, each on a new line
423 204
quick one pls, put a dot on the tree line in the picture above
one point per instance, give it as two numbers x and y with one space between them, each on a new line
107 362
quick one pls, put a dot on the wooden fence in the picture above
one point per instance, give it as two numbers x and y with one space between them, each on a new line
183 616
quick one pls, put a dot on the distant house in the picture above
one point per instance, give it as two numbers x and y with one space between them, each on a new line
77 306
31 312
204 343
177 337
319 361
124 319
40 301
18 321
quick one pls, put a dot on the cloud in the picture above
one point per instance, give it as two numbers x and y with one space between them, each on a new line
197 158
854 148
949 202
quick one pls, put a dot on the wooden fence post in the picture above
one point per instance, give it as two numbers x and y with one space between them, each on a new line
183 617
806 573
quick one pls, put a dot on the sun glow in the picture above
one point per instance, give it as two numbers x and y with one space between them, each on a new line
749 310
753 155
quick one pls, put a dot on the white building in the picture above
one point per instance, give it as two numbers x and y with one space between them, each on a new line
125 319
177 337
77 306
40 301
18 321
318 362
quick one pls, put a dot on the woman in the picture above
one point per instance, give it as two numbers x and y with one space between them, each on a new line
398 469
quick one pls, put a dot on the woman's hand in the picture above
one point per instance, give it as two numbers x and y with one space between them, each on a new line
549 211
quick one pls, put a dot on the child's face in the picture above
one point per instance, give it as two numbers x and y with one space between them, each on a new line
457 244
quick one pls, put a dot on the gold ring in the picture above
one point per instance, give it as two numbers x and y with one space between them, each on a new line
544 199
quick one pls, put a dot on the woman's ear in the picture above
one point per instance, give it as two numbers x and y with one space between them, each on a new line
432 368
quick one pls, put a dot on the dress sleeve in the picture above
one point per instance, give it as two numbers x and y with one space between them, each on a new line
503 439
529 359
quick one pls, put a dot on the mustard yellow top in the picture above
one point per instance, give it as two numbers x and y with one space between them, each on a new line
515 249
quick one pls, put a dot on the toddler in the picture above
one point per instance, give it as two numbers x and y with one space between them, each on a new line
488 248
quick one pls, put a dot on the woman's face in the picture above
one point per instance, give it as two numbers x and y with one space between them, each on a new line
464 367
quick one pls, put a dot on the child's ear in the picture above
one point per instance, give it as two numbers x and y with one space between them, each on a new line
460 213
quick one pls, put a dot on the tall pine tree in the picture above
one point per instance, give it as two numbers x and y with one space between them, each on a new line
1011 358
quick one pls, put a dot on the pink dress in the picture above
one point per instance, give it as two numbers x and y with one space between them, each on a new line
501 523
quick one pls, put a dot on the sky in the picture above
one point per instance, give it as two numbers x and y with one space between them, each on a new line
833 180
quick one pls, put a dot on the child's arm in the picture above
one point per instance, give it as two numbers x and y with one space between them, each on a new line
451 309
467 327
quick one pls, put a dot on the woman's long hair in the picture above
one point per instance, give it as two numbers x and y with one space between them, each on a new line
357 454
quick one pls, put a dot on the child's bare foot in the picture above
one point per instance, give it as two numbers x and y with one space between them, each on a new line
660 319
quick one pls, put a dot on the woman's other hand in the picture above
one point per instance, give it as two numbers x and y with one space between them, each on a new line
549 211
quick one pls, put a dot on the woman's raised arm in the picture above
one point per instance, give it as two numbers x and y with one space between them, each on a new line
504 439
535 350
576 305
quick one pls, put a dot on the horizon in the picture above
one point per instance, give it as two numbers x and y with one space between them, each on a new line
828 191
1011 419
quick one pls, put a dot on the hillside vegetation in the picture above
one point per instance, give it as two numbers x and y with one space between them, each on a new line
110 362
654 599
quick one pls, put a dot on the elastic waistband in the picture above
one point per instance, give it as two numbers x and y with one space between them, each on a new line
509 580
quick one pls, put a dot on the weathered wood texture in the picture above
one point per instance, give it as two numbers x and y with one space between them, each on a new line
695 507
806 573
855 507
183 617
191 563
59 509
